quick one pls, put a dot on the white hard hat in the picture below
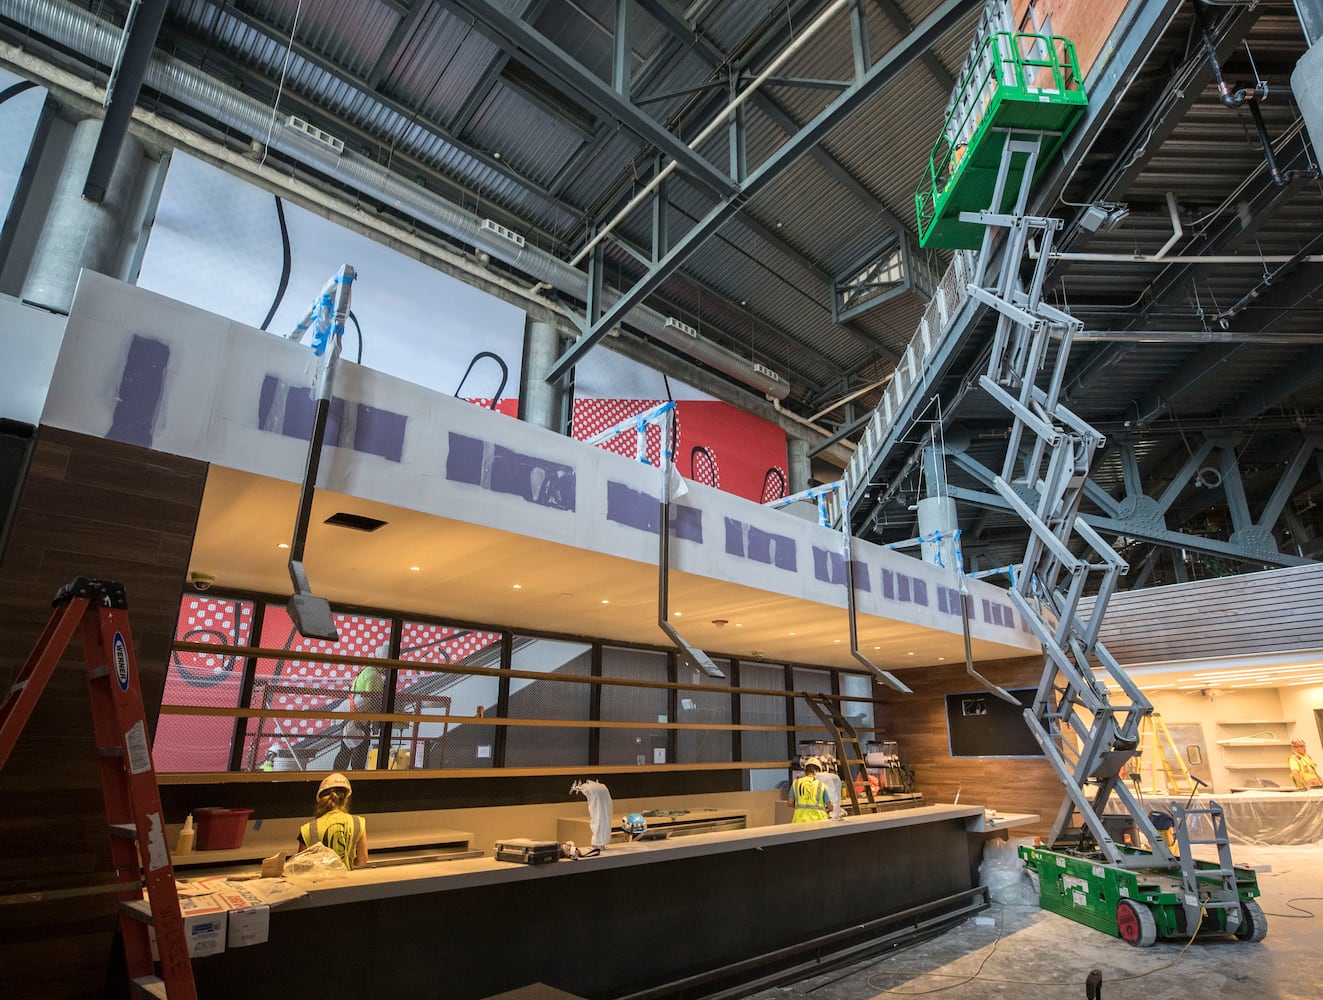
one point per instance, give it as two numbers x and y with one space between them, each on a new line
336 780
813 762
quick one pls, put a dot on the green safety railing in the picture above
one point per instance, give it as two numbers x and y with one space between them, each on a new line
1005 86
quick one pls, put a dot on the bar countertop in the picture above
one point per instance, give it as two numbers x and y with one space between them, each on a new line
443 876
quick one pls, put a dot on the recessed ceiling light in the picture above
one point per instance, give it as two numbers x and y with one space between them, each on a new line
790 633
415 569
941 657
910 653
282 545
605 601
517 586
739 624
678 614
838 642
877 647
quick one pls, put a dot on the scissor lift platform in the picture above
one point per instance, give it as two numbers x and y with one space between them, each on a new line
1017 83
1143 899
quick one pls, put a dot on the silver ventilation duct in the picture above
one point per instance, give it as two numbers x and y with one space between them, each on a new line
77 29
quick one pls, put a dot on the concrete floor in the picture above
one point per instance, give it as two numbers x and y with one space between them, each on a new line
1019 950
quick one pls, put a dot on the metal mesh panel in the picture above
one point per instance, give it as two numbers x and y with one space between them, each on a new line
710 707
626 704
533 746
214 680
762 710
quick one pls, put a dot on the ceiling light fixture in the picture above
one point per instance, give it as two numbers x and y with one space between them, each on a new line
605 601
517 586
415 569
282 545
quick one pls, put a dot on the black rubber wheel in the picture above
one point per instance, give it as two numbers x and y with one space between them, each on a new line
1136 924
1253 922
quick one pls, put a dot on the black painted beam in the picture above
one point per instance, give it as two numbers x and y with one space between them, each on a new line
122 92
528 46
878 77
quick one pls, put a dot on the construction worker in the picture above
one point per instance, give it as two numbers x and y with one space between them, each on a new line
268 762
365 695
334 826
1303 770
808 795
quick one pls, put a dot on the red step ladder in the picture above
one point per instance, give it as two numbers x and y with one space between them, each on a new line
138 846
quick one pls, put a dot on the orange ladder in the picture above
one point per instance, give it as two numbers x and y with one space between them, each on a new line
138 846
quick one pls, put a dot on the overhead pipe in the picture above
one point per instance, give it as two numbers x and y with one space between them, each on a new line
1251 96
83 32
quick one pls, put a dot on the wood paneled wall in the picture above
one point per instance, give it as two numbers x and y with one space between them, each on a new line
95 508
918 723
1088 25
1254 613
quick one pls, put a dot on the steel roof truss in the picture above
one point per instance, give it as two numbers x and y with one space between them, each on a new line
863 89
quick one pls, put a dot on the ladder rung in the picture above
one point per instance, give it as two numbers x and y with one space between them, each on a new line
138 909
1214 872
126 830
1195 843
98 672
150 986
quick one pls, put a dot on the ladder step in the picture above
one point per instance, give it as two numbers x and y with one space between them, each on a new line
126 830
140 910
149 986
1219 843
1214 872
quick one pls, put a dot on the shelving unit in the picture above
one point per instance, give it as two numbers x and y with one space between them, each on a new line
1273 734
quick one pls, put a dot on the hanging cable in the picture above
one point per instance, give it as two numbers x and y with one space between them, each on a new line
284 271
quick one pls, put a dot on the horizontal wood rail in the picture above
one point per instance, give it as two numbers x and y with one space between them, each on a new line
259 652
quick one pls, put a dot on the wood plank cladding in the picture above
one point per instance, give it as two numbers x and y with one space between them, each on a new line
1088 25
1255 613
95 508
917 723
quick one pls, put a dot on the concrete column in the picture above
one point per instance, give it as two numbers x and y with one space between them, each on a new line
797 465
542 401
1307 89
78 233
937 514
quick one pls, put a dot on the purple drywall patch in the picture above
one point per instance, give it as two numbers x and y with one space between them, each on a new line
141 385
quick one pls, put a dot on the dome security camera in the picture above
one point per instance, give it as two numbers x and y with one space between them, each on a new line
201 581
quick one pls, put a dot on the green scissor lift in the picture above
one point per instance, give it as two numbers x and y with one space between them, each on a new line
1143 897
1016 101
1014 83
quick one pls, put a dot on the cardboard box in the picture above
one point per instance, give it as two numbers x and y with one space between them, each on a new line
205 925
249 917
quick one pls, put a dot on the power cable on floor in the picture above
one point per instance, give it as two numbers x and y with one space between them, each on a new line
1017 982
1303 914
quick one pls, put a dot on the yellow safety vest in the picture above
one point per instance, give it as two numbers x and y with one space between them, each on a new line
339 831
810 797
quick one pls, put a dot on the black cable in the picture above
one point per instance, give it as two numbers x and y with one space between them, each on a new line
505 375
359 330
284 265
15 89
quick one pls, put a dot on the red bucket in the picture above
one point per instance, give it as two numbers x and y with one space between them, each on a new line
221 829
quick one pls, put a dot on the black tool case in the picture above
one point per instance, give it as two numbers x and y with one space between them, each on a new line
523 851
